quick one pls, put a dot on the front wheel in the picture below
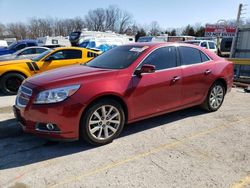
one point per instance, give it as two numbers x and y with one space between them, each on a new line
215 97
102 122
10 83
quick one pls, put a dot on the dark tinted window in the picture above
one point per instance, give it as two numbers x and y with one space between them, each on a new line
28 51
162 58
67 54
190 55
117 58
204 44
20 46
31 44
204 57
40 50
211 45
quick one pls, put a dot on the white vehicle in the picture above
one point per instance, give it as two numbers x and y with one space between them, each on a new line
3 44
26 53
106 38
104 44
51 42
208 44
161 38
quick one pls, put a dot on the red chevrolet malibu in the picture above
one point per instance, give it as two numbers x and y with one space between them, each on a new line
126 84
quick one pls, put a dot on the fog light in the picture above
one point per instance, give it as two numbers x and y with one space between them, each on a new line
50 126
47 127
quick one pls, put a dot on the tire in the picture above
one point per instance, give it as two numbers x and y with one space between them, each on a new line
10 83
99 129
215 97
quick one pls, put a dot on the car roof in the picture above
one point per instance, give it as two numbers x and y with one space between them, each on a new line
27 40
198 41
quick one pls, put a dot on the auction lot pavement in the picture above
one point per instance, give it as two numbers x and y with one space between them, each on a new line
188 148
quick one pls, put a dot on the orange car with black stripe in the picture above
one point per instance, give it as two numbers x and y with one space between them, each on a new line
13 72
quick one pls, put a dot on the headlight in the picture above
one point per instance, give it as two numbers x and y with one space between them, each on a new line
55 95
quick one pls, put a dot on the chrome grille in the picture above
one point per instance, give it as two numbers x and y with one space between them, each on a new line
23 96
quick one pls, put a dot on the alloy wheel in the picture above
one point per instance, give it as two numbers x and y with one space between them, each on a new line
216 96
104 122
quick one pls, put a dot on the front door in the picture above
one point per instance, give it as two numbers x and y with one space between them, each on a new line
59 59
159 91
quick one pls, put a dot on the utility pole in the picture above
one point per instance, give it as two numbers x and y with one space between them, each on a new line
233 47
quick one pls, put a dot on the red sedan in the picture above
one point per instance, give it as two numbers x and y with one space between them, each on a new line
126 84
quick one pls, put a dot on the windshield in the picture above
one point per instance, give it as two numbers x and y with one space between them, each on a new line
117 58
42 55
12 45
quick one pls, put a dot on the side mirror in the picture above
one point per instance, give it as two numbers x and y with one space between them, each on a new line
145 69
49 59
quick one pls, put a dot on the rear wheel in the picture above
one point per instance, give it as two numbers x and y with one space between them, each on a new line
10 83
215 97
102 122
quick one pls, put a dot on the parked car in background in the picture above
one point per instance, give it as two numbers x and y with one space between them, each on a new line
162 38
26 53
17 46
102 44
3 44
99 40
208 44
52 42
123 85
225 46
13 72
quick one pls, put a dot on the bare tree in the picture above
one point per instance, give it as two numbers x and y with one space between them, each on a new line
124 20
2 29
17 30
155 28
111 14
95 19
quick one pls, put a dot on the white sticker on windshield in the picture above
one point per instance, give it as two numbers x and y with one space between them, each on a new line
137 49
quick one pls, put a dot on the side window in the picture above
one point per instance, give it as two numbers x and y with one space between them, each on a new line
20 46
211 45
31 44
28 51
204 57
73 54
162 58
204 45
190 55
67 54
40 50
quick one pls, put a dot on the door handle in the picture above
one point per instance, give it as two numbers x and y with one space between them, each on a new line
176 78
207 72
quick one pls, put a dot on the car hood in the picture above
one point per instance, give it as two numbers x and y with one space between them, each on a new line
12 62
67 75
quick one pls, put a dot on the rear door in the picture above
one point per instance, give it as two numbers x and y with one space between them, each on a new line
197 73
158 91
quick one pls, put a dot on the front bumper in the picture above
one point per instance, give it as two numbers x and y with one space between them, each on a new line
65 115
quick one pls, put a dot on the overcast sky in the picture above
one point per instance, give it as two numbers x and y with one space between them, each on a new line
168 13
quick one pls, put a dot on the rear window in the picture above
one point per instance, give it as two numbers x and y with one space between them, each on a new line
191 56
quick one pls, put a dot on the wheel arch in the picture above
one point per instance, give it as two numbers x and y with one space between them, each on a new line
223 81
16 72
109 96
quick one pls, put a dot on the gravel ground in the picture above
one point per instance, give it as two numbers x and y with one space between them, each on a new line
188 148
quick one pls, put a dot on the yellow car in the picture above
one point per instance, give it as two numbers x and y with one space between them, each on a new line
13 72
